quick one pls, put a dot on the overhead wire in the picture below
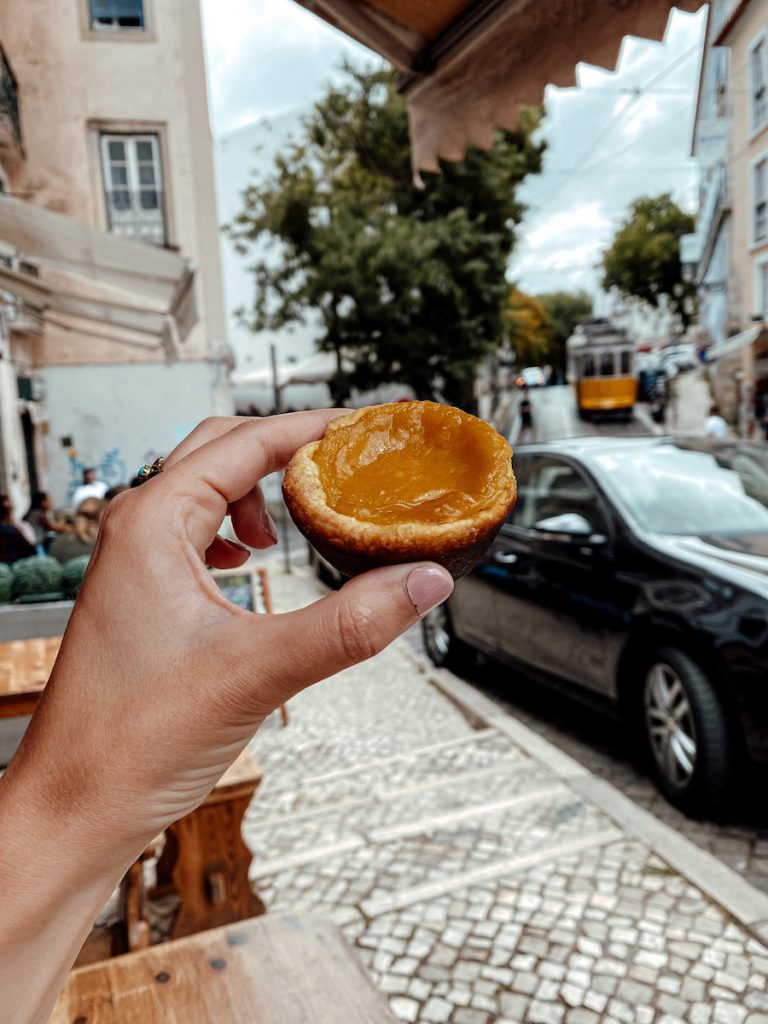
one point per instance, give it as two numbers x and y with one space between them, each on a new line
637 92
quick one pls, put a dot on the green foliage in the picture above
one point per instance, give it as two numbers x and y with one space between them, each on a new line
72 575
644 258
564 310
407 279
527 328
36 575
538 326
6 583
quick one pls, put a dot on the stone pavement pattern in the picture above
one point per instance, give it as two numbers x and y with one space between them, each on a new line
476 885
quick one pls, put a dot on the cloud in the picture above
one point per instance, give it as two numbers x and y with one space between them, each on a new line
607 142
268 56
612 139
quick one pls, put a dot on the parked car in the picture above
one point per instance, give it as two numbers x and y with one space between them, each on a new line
635 571
531 377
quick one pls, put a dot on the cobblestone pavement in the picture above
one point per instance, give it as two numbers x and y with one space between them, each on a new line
606 749
476 884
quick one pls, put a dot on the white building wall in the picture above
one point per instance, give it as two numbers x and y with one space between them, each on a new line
242 157
118 417
13 465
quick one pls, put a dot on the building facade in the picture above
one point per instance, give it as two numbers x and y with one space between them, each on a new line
112 130
730 258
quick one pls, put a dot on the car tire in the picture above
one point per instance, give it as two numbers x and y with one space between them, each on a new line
443 647
688 733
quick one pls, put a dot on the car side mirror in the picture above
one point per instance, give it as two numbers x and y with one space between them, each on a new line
569 527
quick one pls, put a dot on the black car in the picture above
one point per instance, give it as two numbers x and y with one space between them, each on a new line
636 570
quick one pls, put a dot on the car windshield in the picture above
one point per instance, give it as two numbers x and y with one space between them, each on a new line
675 490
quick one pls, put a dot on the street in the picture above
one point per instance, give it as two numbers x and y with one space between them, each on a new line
596 741
555 416
481 875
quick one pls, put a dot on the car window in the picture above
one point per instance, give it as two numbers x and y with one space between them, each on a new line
548 486
677 490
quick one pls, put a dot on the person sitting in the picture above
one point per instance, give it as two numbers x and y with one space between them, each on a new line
82 538
40 517
16 539
89 488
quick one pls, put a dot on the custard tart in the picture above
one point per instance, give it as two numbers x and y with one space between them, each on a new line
402 482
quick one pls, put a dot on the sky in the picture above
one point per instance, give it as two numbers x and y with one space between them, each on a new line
611 139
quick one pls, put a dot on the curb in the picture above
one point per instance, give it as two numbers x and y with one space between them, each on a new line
741 900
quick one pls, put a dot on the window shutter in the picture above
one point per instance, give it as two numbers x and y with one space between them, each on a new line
115 9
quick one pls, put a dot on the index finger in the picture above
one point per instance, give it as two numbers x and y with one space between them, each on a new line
226 468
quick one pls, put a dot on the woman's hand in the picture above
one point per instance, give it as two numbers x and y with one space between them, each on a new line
161 682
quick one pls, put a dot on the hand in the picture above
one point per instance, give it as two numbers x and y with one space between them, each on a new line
159 685
161 681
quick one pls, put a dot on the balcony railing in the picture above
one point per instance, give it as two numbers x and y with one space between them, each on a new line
9 96
137 214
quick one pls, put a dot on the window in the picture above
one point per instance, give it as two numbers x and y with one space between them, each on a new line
549 487
762 290
759 86
606 364
588 367
116 14
626 363
133 186
760 199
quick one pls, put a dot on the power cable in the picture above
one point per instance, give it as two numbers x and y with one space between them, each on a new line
637 92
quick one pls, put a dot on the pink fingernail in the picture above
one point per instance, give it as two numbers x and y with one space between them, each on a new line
427 586
268 526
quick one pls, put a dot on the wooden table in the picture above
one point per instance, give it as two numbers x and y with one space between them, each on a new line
205 859
25 666
271 970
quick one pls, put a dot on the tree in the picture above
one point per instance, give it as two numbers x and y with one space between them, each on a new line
644 258
528 328
564 310
408 278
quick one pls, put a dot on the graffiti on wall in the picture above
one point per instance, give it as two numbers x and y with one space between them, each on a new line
111 469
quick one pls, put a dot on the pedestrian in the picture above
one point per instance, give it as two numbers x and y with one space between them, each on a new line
89 488
526 413
81 540
160 684
17 540
42 520
714 425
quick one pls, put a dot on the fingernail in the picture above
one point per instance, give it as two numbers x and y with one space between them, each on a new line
236 546
428 586
268 526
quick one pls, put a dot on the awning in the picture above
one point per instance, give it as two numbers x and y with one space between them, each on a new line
83 278
469 65
734 343
317 369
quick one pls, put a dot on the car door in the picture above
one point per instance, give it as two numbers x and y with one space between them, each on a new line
558 606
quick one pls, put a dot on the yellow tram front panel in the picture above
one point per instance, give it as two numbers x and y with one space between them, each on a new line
602 394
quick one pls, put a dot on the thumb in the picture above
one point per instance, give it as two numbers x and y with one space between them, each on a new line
353 624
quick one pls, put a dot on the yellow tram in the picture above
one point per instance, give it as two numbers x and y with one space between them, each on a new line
601 366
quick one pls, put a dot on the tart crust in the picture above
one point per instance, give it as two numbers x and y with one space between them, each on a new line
354 546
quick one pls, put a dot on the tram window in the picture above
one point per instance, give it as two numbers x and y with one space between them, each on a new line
588 367
626 363
606 364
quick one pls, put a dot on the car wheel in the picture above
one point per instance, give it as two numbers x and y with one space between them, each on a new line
688 733
443 647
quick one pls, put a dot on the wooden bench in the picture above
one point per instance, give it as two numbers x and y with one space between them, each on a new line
204 862
25 666
272 970
205 859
